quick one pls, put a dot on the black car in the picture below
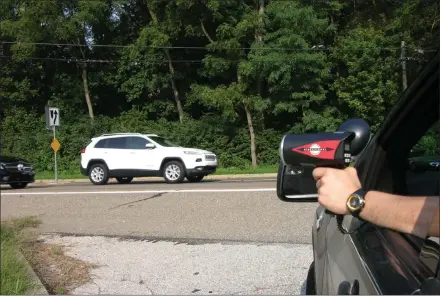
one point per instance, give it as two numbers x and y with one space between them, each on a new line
352 256
16 172
424 163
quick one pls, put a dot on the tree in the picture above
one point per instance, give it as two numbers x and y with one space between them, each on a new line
296 66
366 81
62 22
228 60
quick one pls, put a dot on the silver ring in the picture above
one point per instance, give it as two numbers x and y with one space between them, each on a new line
317 184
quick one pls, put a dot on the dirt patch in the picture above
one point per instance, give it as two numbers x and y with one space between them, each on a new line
60 274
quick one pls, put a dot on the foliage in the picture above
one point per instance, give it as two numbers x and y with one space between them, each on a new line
237 74
15 277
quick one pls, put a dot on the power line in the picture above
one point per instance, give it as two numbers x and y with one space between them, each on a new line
97 61
314 48
73 60
63 59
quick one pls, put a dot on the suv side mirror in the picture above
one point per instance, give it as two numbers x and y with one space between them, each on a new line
150 146
301 153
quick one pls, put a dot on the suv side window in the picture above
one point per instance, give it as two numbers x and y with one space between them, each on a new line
136 143
116 143
101 144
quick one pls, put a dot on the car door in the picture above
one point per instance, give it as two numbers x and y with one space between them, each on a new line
140 157
371 259
116 154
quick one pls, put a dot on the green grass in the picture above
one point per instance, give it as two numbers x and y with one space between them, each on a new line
264 169
15 279
238 171
61 175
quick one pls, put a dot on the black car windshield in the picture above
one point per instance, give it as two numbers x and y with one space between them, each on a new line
163 142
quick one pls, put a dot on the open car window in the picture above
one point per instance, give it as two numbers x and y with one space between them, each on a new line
422 173
402 160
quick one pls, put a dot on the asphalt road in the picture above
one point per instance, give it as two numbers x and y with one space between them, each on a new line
246 210
214 237
150 185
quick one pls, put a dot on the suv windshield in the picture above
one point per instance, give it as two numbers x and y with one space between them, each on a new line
163 142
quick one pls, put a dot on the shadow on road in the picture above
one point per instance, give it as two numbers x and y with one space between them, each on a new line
163 182
8 188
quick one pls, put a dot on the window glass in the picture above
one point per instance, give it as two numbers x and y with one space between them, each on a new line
116 143
164 142
136 143
101 144
422 176
423 179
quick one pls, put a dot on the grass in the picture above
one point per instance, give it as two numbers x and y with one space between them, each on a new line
15 278
264 169
237 171
61 175
58 272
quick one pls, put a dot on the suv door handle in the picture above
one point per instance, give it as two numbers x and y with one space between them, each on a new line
346 288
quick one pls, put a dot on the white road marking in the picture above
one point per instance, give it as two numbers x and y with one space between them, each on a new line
138 191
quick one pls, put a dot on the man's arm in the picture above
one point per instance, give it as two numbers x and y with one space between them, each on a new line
417 215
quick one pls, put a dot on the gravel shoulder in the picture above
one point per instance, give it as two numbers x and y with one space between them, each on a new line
180 243
140 267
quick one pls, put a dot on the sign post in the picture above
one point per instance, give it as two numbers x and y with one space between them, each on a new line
52 121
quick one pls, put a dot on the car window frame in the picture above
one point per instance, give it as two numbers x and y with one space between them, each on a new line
373 176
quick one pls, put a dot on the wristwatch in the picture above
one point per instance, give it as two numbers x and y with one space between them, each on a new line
356 202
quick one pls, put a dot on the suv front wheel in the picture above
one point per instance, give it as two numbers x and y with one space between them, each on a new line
20 185
98 174
173 172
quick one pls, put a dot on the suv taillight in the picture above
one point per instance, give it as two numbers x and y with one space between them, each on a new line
83 150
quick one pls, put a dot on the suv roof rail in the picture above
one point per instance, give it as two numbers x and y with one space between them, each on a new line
113 134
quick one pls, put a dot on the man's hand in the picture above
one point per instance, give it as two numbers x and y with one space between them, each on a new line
335 186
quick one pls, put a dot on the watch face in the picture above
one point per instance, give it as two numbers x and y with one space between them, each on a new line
355 202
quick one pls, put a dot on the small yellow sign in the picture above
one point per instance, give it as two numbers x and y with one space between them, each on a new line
55 145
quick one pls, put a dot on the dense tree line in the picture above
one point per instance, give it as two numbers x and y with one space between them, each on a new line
231 76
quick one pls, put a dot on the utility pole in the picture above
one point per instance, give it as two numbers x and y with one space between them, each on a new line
403 64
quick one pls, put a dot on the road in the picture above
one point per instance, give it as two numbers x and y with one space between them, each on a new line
241 223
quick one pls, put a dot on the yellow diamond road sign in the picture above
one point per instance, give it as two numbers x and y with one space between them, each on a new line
55 145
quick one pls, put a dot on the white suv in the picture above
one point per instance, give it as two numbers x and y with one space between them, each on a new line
128 155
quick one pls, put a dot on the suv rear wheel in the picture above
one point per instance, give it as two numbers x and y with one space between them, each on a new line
173 172
98 174
124 180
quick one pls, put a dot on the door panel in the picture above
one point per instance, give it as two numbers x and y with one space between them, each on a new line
116 155
140 158
391 261
319 243
344 264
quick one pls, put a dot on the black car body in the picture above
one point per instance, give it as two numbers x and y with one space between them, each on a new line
424 163
16 172
368 259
